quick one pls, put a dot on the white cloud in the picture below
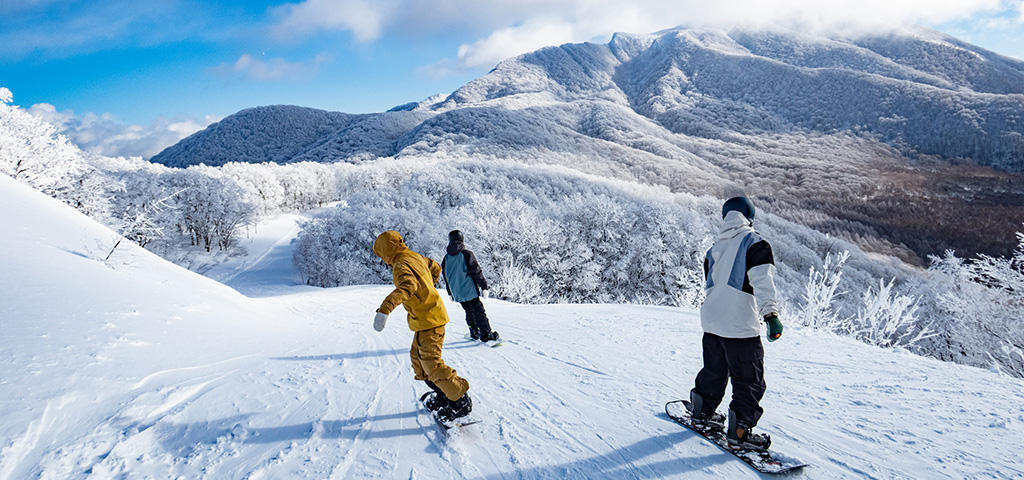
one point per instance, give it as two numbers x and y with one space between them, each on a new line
511 27
511 41
601 18
104 134
363 18
268 70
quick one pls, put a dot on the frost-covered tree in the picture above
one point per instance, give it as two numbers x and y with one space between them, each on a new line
336 247
889 319
32 152
209 208
261 183
306 185
818 310
982 305
143 223
542 235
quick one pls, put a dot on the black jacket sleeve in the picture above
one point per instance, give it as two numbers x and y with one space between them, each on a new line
473 268
445 277
760 253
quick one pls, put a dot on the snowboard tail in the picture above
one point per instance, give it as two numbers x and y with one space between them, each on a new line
769 461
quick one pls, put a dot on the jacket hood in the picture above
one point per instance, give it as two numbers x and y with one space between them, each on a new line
734 224
388 245
455 247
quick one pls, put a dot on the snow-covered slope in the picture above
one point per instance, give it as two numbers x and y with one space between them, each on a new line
135 368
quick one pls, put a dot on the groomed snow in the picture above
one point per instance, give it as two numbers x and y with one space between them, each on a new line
140 369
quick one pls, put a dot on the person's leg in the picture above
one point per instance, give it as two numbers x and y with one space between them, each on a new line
414 355
474 329
746 371
439 399
483 326
429 343
709 386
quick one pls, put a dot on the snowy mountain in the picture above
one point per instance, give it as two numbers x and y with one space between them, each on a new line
904 88
136 368
856 136
284 134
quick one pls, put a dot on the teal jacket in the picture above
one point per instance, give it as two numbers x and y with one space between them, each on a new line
462 274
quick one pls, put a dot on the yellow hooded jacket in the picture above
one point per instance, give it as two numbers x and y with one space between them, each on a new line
414 276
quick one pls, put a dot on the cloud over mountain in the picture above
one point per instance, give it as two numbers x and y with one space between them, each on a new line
105 134
509 28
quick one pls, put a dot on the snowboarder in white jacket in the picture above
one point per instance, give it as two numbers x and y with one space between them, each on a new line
739 271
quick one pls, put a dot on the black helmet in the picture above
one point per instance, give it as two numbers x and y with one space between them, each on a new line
740 204
455 236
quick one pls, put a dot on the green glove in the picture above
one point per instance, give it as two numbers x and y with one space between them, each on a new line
774 326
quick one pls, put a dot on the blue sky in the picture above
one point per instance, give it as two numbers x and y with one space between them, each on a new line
129 77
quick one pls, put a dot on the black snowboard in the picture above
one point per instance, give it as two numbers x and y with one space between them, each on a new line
765 462
454 423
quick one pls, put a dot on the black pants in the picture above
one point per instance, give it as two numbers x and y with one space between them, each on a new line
740 360
476 318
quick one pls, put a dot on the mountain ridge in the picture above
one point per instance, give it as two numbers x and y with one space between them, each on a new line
655 75
811 123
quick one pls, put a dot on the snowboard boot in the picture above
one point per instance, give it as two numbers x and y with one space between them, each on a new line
708 422
434 399
492 337
739 436
700 421
456 409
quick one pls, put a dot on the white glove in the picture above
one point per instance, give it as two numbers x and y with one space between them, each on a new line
484 294
379 321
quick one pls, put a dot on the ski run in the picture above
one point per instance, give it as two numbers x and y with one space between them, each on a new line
137 368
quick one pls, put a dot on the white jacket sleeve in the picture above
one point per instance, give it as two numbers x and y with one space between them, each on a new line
762 280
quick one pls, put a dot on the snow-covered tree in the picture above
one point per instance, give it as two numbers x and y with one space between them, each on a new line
32 152
209 208
982 305
261 184
818 310
888 319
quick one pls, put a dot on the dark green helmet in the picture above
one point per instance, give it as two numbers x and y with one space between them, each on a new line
740 204
455 236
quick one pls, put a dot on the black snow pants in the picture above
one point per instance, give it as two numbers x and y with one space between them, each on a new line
476 318
740 360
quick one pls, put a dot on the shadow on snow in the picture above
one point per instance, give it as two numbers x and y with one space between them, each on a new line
345 356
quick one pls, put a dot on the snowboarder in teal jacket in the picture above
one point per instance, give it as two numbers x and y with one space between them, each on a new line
466 284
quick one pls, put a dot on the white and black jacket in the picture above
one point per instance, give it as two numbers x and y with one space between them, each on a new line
739 270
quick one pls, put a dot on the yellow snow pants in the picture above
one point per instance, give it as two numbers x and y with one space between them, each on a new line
427 363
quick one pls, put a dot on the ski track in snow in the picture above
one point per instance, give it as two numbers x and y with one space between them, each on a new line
307 389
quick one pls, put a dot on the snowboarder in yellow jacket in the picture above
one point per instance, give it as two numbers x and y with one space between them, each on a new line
414 276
